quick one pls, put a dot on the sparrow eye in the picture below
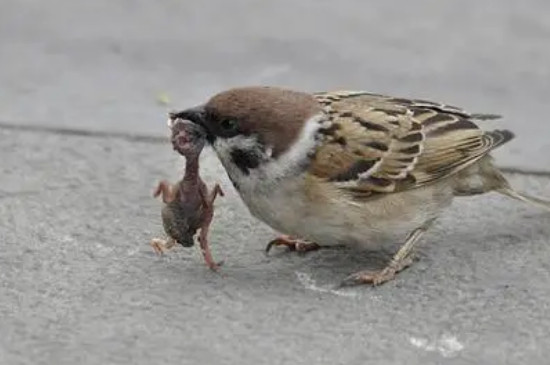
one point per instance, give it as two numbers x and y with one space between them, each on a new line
229 125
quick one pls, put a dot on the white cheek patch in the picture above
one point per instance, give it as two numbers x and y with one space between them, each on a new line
298 153
270 170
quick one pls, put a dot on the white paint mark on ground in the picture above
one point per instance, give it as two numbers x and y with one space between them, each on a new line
307 281
447 345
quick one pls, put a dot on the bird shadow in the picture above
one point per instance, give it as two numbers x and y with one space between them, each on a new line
331 263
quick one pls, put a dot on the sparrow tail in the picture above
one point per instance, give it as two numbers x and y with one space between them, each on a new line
544 204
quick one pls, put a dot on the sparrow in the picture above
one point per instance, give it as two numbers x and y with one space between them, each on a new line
350 167
189 205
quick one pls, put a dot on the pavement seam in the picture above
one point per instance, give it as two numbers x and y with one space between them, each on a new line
159 139
84 133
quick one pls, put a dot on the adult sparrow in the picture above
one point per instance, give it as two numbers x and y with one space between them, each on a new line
350 167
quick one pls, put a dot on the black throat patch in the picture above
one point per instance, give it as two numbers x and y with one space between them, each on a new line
245 159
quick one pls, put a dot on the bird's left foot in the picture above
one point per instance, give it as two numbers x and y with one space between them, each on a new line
160 245
400 261
375 278
294 244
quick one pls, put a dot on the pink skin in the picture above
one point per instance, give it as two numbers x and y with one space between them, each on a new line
195 202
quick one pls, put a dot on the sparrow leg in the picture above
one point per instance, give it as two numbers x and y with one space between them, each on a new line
294 244
167 191
401 260
160 245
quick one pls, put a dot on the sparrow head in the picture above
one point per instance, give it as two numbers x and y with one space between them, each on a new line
250 126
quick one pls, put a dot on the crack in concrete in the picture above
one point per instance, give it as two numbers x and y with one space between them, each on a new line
23 193
159 139
84 133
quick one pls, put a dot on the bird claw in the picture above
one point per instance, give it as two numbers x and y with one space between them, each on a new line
160 246
376 278
293 244
214 266
373 278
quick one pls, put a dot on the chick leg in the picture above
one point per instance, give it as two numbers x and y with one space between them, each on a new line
203 241
160 245
294 244
167 191
401 260
215 192
208 214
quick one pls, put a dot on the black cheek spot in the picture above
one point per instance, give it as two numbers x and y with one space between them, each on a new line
245 160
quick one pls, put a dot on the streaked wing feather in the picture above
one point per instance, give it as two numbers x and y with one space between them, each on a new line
380 144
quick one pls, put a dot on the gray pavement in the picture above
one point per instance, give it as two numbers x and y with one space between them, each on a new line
78 282
102 64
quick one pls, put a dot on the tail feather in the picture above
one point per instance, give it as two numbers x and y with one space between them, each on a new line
544 204
484 116
499 137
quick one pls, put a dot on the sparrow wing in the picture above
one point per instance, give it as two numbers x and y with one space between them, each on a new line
381 144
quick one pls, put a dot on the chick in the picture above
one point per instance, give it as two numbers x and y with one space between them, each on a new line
189 206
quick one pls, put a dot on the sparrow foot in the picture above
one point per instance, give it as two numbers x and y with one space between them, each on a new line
375 278
401 260
160 245
294 244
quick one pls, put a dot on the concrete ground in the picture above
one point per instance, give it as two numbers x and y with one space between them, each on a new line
83 94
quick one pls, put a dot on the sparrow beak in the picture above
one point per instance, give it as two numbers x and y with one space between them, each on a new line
195 115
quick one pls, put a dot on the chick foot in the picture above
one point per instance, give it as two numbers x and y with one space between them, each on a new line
294 244
207 255
160 245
